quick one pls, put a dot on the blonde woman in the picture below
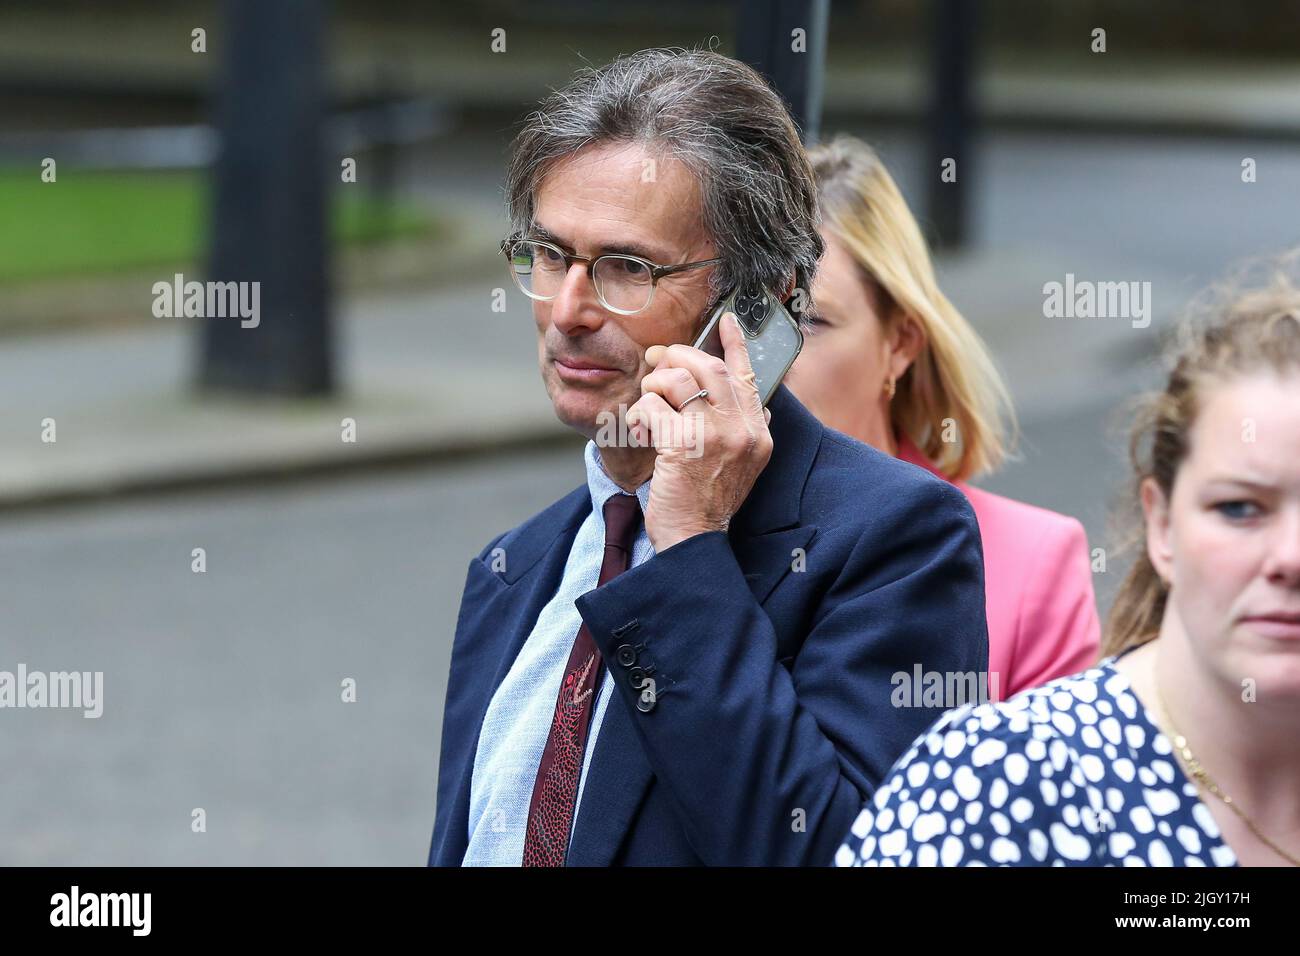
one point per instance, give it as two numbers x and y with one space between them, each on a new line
1182 747
890 361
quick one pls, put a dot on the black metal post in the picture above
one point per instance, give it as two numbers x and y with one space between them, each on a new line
270 213
949 171
766 40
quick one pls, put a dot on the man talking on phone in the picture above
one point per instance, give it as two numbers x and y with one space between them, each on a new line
689 659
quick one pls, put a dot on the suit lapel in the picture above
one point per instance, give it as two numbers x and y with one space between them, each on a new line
498 612
534 564
767 529
617 781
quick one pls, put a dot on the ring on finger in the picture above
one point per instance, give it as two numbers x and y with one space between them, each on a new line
702 393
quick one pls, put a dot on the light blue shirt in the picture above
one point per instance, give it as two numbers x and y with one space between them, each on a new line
518 719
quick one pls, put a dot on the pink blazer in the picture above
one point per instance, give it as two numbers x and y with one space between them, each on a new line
1042 614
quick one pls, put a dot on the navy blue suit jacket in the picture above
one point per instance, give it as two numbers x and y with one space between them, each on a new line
774 647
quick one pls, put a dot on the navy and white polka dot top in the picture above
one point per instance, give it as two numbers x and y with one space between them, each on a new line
1073 773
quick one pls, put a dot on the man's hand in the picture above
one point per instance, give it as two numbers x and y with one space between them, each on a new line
709 454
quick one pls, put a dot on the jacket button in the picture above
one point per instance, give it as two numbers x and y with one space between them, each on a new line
636 677
626 655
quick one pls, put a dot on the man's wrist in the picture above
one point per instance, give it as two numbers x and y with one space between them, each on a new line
677 535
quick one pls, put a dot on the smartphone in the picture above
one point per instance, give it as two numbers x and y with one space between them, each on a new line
771 334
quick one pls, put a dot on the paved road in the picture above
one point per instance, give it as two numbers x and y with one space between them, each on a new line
222 690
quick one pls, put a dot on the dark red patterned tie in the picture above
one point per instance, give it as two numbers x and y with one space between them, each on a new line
555 792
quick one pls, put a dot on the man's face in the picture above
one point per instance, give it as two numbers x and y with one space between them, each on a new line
616 198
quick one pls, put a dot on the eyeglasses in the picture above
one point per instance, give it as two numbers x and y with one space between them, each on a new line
624 284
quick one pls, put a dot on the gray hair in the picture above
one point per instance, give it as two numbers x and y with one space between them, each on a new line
721 119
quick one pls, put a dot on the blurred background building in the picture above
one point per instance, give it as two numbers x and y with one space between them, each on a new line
338 479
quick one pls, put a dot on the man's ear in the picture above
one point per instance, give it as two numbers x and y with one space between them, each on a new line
1155 508
789 288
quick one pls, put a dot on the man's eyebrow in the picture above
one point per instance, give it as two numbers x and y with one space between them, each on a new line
618 248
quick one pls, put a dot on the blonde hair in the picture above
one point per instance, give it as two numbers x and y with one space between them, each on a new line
953 377
1237 328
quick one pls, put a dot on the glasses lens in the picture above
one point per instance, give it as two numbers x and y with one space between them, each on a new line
624 283
538 268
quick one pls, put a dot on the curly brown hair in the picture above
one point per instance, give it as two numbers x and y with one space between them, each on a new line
1247 325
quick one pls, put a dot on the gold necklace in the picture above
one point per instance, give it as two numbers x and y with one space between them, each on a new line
1206 782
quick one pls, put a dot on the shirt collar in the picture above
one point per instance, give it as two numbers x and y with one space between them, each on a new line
603 487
